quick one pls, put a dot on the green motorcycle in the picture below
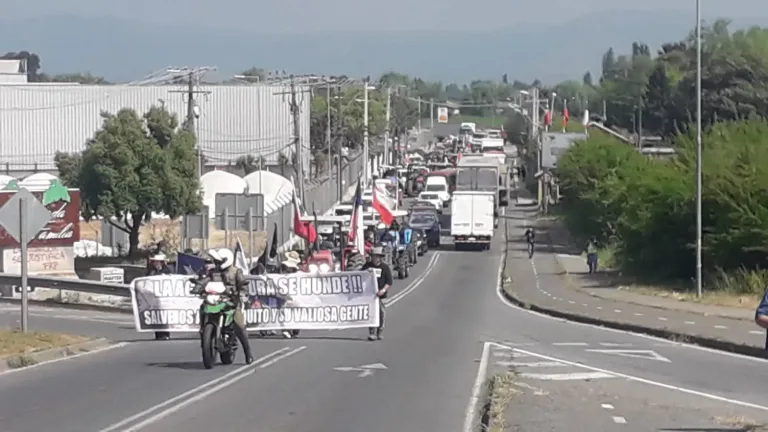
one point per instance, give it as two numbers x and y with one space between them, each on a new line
217 334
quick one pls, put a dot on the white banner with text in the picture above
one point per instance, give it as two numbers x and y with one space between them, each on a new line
297 301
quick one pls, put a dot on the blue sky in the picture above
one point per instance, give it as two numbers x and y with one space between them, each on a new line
283 16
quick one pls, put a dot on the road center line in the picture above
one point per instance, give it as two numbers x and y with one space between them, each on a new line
175 408
415 284
195 390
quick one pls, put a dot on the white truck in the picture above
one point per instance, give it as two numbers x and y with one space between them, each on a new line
472 220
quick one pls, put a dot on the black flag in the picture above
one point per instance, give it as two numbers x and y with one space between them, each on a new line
270 250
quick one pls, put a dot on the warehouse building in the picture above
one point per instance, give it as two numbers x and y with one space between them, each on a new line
37 120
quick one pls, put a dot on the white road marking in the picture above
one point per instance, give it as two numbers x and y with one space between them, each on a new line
584 304
662 341
415 284
620 420
720 327
471 413
530 364
218 383
571 302
638 314
599 307
690 322
757 332
662 319
574 376
617 310
649 382
613 344
643 354
508 354
570 344
607 406
96 351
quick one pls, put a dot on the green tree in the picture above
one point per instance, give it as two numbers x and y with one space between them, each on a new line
133 167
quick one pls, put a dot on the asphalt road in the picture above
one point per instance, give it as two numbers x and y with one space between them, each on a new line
421 377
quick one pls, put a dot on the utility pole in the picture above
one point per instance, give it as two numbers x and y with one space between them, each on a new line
328 127
432 113
419 100
295 107
365 133
339 145
699 216
192 114
387 132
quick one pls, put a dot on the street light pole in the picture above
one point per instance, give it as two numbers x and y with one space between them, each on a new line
365 133
698 150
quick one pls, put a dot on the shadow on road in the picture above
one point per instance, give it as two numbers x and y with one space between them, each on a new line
188 365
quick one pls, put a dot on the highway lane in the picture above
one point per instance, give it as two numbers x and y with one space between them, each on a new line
93 391
428 352
433 348
432 351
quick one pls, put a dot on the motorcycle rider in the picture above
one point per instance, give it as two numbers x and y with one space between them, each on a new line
232 277
384 280
158 265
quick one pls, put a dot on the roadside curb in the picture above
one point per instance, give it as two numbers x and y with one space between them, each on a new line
70 305
704 341
23 361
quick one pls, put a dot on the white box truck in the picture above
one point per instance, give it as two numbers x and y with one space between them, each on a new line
472 220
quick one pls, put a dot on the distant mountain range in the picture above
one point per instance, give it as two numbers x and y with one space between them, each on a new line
123 50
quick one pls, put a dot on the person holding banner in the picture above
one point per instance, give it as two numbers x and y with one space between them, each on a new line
158 265
384 279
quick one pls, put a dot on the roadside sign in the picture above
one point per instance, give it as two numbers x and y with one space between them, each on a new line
37 216
442 114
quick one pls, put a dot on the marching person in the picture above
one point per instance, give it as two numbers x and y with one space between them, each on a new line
158 265
232 277
288 266
384 282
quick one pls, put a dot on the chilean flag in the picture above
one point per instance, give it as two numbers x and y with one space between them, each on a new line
383 204
356 234
305 230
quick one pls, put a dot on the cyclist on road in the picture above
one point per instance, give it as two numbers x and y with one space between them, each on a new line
530 237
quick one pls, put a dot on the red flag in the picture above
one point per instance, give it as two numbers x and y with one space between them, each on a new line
383 204
547 118
305 230
566 116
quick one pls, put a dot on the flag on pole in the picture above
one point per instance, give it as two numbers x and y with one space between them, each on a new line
566 117
305 230
356 234
383 204
270 249
240 261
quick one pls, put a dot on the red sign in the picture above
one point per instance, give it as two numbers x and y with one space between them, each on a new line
64 227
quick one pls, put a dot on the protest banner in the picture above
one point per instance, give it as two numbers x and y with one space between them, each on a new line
323 301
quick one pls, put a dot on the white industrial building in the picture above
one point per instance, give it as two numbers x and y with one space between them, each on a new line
12 72
37 120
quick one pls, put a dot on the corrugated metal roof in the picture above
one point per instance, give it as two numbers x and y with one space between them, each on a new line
13 78
37 121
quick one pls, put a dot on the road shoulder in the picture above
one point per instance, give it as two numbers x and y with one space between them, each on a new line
539 284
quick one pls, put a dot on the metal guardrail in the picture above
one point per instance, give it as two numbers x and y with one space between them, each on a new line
70 284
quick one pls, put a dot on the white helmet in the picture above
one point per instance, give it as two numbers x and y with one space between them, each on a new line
224 257
227 258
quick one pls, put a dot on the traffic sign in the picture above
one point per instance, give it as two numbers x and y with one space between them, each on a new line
442 114
23 216
35 213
